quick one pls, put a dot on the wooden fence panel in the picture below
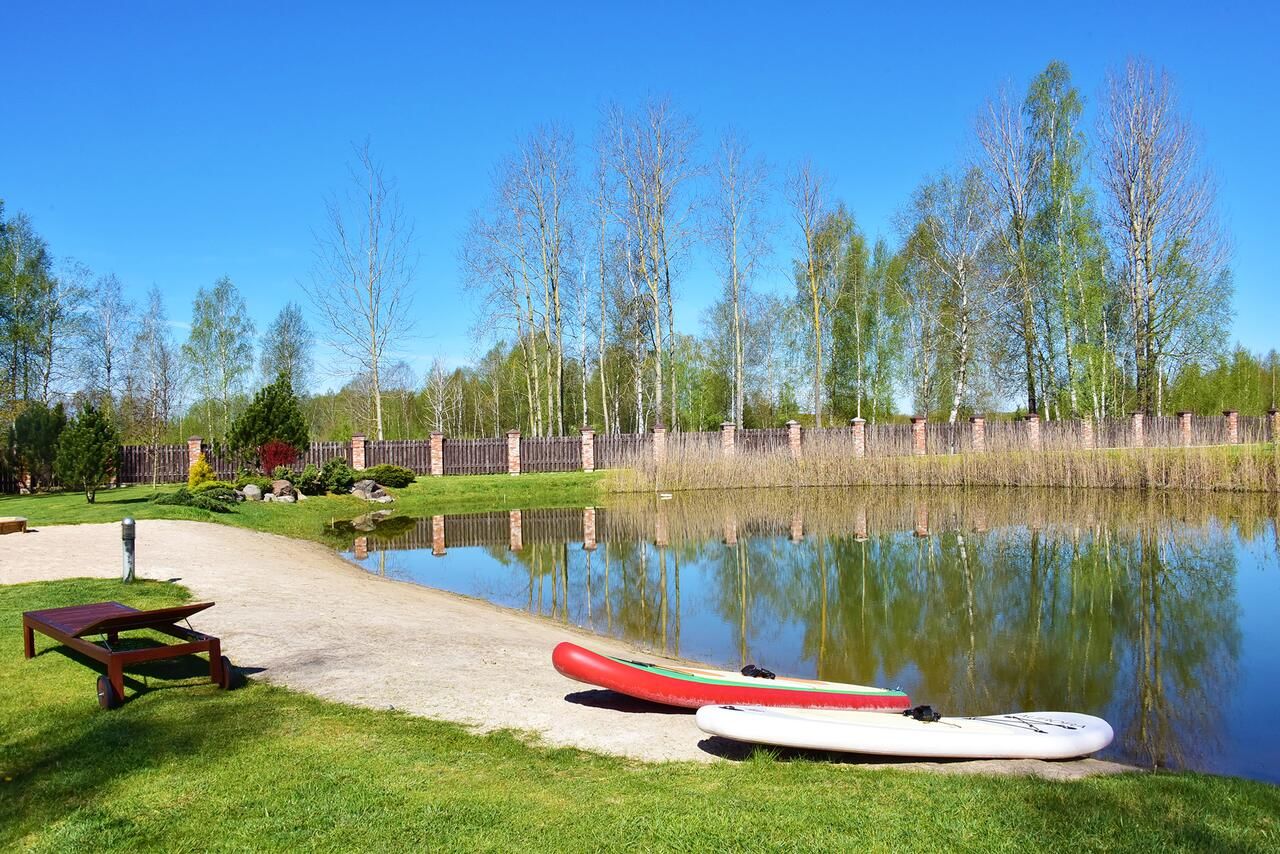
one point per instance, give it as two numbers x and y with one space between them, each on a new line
136 464
694 443
550 453
321 452
1208 430
618 450
770 440
410 453
888 439
475 456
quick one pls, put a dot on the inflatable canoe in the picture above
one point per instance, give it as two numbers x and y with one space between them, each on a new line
1023 735
694 687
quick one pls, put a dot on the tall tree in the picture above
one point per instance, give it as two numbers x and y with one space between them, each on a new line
805 192
107 330
286 348
219 350
739 236
157 368
362 280
1160 211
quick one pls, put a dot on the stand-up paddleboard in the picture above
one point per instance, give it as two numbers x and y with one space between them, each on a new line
694 687
1023 735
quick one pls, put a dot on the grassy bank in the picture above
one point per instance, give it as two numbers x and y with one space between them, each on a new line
309 520
1231 468
267 768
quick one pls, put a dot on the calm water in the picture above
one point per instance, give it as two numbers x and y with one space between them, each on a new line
1160 614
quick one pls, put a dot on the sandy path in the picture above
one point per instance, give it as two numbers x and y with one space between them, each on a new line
314 622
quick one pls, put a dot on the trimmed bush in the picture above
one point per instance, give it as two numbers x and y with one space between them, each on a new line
200 472
309 482
210 501
214 485
397 477
88 453
276 455
337 476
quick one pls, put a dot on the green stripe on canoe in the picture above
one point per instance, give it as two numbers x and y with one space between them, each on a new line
705 680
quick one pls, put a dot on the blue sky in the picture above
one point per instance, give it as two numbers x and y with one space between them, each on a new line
174 143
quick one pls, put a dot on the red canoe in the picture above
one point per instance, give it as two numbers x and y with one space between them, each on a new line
694 687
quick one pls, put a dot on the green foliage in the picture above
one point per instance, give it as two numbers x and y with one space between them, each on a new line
34 442
337 476
219 351
273 416
200 472
308 482
214 486
88 452
213 500
260 481
397 477
282 473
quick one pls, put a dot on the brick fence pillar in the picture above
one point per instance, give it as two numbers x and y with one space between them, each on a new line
513 452
361 547
978 433
437 535
1136 437
1184 428
437 454
797 527
918 435
1233 426
516 526
921 527
588 449
1086 434
860 523
728 435
859 426
357 452
793 439
1273 419
730 530
661 535
589 528
659 444
194 445
1033 431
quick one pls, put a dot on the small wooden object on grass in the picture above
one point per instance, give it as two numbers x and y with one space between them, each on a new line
72 624
13 525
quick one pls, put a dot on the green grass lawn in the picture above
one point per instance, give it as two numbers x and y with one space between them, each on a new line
185 766
309 520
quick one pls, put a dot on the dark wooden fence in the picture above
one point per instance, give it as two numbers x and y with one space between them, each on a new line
616 450
474 456
411 453
762 441
551 453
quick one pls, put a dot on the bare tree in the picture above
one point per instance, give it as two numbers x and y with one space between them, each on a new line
1160 211
156 370
107 327
361 283
443 395
805 192
739 234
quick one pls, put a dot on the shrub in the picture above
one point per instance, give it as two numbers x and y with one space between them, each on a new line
34 440
260 481
389 475
214 486
184 497
276 455
200 472
274 416
282 473
88 452
309 482
337 476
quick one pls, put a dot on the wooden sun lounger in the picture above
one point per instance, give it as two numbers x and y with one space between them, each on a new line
71 625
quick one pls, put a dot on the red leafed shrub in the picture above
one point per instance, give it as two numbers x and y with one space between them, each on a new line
276 453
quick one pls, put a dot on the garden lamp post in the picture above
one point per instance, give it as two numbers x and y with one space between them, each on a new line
128 532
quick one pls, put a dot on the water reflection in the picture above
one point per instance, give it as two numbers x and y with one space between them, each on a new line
974 601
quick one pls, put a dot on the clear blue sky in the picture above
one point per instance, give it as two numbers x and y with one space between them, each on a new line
172 143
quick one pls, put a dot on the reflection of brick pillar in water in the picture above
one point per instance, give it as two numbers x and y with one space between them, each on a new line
659 444
1033 431
660 536
793 439
860 523
1233 426
1137 438
361 548
437 454
437 535
922 519
1184 428
979 523
517 534
1273 422
730 530
357 452
1086 434
589 528
859 426
727 438
193 450
588 449
978 432
513 452
917 435
797 526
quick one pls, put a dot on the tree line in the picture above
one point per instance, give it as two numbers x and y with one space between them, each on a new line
1061 269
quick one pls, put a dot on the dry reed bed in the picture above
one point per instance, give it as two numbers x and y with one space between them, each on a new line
830 461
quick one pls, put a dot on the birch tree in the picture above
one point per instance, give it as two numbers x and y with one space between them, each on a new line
286 349
107 328
805 192
362 279
219 349
157 371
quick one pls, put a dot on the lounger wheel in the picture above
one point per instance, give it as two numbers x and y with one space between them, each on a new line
230 676
107 696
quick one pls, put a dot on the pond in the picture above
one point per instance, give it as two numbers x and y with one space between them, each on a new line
1159 613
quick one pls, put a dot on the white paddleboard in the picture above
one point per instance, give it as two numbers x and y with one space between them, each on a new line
1021 735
